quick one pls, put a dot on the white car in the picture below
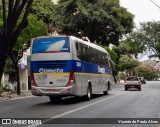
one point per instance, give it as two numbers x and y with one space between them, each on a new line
132 82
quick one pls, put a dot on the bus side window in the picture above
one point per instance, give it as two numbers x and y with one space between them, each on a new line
100 58
80 51
77 46
77 49
106 60
91 55
109 63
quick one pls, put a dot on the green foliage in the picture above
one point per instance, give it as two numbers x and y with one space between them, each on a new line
44 10
14 15
131 46
127 63
144 71
149 34
35 28
6 88
112 54
100 20
9 68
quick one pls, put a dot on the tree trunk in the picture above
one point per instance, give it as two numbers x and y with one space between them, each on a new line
115 80
2 64
11 13
18 82
3 59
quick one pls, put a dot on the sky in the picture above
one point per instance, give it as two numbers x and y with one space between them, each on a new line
144 10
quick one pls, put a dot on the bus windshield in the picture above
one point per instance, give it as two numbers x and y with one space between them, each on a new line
50 44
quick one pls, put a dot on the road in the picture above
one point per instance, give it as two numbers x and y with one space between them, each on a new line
118 104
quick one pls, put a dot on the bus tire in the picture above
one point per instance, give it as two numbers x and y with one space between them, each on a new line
109 86
89 93
105 92
55 99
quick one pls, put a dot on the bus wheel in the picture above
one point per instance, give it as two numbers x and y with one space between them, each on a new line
106 92
88 96
109 86
55 99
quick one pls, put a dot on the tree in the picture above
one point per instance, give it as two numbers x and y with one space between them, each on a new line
99 20
151 64
150 36
35 28
127 64
113 56
10 27
9 67
45 10
144 71
131 46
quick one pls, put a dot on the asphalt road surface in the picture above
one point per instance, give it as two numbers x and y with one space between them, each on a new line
119 104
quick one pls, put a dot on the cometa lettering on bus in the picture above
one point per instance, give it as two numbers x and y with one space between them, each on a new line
42 70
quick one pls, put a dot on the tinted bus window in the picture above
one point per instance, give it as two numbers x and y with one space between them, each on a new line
89 54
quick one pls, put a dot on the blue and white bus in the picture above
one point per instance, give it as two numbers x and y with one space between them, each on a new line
67 66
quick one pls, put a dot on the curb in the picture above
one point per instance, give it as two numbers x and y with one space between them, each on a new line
9 96
117 85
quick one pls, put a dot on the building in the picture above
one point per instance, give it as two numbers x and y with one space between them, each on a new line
23 73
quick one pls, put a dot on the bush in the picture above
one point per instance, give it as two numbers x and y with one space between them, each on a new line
1 90
144 71
6 88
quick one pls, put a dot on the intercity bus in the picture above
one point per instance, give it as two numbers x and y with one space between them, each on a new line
68 66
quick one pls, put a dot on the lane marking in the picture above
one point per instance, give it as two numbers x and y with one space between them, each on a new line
77 109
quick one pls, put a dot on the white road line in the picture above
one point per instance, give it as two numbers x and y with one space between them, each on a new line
77 109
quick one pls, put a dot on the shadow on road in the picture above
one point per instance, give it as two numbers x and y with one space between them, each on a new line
132 89
70 100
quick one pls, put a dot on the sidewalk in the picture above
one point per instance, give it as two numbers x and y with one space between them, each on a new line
12 96
117 84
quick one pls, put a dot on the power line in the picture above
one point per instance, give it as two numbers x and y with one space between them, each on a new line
155 4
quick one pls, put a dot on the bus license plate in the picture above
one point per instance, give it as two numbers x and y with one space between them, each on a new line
50 90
